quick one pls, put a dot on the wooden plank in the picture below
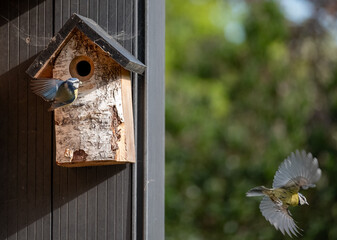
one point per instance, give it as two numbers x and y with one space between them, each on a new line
128 24
48 138
56 200
112 19
12 127
128 115
93 10
138 114
74 7
47 167
70 205
120 204
138 173
32 131
44 138
67 223
121 21
22 124
4 121
102 203
4 26
83 7
112 203
39 162
92 203
155 125
127 232
138 47
102 20
58 11
82 203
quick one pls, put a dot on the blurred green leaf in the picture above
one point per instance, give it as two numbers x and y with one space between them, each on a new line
244 88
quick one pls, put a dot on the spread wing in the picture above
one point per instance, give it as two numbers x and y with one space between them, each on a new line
45 88
299 170
279 217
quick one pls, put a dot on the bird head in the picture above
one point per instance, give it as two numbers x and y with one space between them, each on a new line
75 82
302 199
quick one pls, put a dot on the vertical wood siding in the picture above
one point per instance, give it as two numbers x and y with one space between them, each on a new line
94 202
25 139
38 199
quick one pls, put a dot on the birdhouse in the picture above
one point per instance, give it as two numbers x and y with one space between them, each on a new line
97 128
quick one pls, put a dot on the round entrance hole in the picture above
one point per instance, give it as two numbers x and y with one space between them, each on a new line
81 67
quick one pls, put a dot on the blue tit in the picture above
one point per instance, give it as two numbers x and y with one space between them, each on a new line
299 171
60 93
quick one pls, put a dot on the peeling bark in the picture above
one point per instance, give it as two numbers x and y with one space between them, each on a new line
92 130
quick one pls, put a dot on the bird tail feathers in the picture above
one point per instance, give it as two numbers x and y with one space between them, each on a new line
257 191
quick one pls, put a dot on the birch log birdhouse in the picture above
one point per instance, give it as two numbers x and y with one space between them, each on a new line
97 128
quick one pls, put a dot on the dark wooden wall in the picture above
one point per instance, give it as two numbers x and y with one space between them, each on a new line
39 200
26 129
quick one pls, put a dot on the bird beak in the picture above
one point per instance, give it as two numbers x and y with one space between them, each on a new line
80 83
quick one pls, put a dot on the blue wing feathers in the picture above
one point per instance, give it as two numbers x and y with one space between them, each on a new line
59 92
46 88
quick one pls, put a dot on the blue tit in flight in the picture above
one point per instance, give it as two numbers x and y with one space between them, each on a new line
60 93
299 171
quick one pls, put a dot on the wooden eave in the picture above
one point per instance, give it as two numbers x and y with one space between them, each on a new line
96 34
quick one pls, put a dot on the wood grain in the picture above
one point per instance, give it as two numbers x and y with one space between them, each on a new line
97 129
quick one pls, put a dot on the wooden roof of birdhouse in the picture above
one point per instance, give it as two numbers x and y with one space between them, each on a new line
96 34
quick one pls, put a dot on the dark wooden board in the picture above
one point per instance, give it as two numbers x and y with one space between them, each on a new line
85 200
25 193
40 200
155 132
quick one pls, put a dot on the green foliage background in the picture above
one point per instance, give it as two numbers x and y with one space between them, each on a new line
236 106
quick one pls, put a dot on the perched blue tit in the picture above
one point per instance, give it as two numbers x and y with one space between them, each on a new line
60 93
299 171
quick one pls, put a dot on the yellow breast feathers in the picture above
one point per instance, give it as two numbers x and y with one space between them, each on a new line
287 196
76 93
